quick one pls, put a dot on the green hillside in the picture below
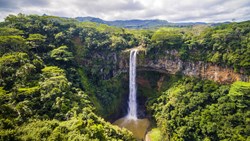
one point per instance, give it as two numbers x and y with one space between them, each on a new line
60 79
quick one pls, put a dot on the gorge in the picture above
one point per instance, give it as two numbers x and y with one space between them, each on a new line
174 65
61 79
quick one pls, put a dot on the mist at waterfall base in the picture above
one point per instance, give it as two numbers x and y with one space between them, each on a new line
131 122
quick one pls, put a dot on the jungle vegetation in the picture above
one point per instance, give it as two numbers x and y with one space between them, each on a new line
60 80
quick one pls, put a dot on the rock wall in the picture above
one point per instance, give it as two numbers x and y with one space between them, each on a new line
173 65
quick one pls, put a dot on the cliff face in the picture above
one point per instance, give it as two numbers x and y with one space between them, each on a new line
195 69
173 65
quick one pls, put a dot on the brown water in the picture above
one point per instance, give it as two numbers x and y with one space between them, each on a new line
138 127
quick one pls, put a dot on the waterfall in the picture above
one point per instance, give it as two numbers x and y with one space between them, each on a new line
132 103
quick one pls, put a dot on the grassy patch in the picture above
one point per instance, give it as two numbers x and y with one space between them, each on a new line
155 134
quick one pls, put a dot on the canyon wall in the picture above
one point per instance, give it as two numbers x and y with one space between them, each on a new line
174 65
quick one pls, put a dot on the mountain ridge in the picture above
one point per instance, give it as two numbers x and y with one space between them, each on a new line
138 23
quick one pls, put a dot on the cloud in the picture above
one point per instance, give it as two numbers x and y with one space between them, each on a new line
171 10
5 4
107 6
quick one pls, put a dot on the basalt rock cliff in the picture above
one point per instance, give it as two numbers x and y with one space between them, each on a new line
172 64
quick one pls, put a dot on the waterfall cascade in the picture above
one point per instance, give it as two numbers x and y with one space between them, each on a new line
132 103
137 126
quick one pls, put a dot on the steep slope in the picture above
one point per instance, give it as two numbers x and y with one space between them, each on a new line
41 94
192 109
58 77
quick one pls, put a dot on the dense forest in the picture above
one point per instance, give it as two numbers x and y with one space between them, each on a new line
60 80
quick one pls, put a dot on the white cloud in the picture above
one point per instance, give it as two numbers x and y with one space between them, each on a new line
171 10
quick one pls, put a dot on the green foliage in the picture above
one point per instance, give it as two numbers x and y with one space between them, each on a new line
167 35
199 110
10 64
110 93
239 93
5 31
81 127
61 54
216 57
106 95
54 86
155 135
40 89
118 42
226 44
13 58
166 39
28 91
11 43
36 41
46 62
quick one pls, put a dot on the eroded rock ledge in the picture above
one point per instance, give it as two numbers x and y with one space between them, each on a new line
199 69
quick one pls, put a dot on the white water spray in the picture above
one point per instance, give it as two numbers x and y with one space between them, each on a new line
132 103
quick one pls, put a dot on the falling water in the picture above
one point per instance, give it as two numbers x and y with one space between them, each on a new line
138 127
132 104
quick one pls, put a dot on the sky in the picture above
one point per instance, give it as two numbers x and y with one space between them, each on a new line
170 10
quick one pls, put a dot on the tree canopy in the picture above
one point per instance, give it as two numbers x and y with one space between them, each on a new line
59 78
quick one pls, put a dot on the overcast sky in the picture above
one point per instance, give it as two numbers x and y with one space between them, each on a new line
171 10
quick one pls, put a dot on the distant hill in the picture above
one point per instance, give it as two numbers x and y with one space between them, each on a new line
126 23
90 19
137 23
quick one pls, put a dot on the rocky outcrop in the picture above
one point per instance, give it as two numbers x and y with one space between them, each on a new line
174 65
